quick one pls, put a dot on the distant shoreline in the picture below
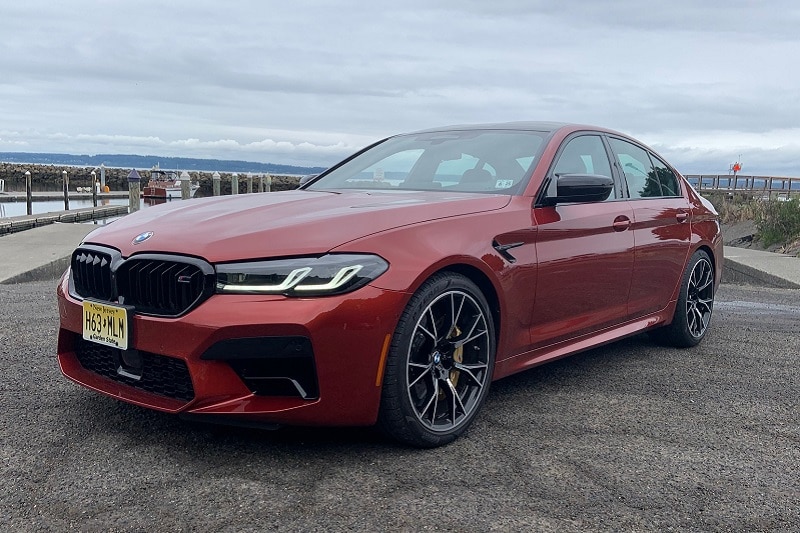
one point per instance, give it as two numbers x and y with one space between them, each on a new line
146 162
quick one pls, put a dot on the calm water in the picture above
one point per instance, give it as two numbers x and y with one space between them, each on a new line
13 209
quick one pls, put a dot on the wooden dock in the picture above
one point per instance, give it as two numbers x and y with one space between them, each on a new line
24 222
768 187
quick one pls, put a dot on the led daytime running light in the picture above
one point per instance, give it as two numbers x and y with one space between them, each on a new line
300 276
341 277
294 277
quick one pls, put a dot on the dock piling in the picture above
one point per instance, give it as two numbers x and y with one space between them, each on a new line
28 195
65 181
95 188
186 191
133 191
215 183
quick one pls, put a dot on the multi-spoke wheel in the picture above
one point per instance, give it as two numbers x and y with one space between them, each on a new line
695 304
440 363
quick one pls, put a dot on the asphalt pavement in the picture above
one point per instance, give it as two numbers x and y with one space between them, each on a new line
627 437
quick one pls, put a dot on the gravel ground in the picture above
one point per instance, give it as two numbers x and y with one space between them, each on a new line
626 437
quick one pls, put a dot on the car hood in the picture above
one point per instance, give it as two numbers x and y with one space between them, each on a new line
285 223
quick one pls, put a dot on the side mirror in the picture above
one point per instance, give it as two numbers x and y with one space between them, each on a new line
580 188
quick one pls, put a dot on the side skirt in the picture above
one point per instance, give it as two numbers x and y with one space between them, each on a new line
527 360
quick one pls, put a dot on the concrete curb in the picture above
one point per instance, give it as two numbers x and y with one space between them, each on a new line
41 253
764 269
49 272
735 272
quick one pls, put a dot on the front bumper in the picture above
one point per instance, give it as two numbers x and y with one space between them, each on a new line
347 336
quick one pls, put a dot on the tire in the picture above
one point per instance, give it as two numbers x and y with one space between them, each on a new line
695 305
440 363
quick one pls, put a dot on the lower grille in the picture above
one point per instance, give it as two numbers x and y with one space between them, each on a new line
161 375
270 366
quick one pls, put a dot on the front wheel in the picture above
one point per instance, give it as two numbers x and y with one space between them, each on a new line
695 305
440 363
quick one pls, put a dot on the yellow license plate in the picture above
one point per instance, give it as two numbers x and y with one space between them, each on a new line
106 324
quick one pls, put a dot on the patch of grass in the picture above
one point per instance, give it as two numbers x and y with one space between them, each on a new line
733 208
777 222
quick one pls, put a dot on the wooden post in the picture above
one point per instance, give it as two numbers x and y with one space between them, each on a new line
186 186
28 195
103 177
215 181
95 188
133 191
234 183
65 181
268 183
249 183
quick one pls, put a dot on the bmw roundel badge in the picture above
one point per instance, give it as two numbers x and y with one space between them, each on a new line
139 239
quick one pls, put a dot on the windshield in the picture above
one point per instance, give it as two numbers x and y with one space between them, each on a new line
487 161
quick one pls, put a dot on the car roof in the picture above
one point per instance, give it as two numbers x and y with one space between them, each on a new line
541 126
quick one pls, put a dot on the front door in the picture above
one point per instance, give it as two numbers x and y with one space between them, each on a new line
585 253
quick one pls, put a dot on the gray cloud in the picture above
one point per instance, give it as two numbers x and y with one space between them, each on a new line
309 82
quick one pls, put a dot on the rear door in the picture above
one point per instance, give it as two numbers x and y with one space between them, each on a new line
661 226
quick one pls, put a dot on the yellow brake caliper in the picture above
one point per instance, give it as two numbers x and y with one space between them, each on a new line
458 356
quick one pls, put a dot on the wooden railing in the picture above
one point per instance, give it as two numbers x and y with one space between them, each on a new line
765 186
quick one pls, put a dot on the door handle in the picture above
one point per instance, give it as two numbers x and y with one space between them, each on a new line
621 223
682 216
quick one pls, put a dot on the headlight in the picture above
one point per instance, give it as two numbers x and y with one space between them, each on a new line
301 276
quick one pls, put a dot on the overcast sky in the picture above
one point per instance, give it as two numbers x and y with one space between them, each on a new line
309 82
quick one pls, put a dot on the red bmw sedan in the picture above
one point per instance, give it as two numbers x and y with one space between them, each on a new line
393 288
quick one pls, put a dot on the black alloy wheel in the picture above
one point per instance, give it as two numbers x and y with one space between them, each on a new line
695 305
440 363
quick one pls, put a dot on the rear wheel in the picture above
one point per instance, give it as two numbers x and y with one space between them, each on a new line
695 305
440 363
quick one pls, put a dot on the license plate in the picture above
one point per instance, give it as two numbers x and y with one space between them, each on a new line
106 324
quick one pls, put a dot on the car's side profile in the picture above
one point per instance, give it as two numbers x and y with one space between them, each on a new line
394 287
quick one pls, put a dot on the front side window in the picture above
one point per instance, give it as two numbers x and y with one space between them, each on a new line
640 174
585 154
487 161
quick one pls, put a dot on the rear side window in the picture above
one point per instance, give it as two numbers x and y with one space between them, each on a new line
666 177
646 177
